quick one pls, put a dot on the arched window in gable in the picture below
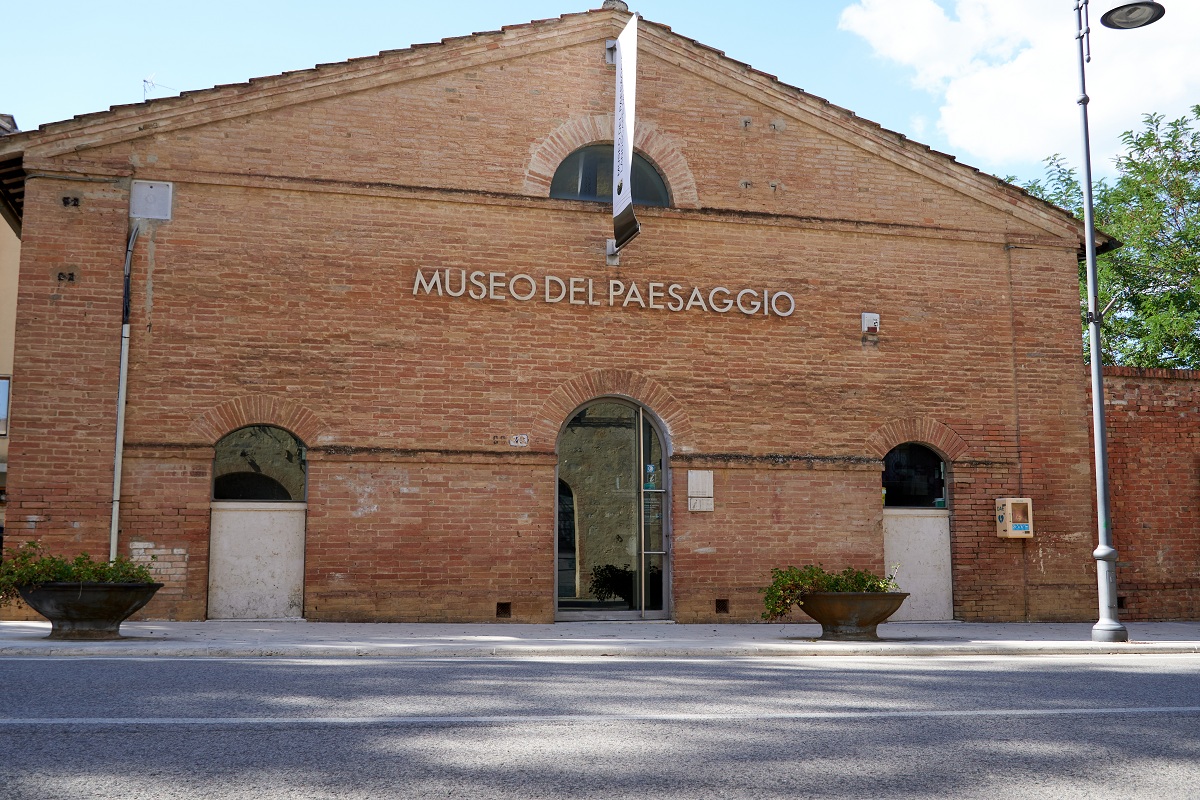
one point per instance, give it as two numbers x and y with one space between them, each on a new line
586 174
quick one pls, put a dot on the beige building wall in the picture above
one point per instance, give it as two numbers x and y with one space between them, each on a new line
10 258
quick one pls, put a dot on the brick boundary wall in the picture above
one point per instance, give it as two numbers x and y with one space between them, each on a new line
1153 421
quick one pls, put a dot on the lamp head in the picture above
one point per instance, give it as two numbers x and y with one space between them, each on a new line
1133 15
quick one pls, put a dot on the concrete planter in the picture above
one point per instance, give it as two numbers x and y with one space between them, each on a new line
78 610
851 616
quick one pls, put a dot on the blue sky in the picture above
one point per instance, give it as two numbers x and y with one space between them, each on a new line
992 82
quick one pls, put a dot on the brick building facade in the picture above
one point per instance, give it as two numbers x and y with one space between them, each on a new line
365 257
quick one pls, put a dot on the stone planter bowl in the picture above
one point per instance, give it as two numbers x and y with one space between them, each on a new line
851 616
87 610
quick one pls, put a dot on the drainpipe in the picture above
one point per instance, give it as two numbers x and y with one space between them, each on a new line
119 448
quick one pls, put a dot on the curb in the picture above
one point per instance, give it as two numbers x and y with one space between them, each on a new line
120 649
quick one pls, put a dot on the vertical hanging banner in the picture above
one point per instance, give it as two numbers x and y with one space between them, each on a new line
625 225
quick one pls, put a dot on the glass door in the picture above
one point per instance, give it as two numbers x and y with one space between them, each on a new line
612 543
653 539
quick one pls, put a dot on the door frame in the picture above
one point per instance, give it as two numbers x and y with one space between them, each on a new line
942 594
247 509
644 415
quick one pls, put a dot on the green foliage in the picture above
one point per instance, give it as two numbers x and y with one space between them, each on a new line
1151 285
1061 187
29 565
609 581
788 586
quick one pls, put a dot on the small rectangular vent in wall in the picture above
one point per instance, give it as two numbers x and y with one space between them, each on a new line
722 605
503 610
150 200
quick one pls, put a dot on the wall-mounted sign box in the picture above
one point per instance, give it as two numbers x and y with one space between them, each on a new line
1014 518
150 200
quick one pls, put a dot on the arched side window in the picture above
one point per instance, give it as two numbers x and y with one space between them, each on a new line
914 477
586 174
260 462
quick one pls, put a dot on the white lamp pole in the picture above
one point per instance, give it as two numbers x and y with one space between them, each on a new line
1108 628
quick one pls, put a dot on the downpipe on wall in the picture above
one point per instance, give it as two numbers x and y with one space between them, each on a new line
122 385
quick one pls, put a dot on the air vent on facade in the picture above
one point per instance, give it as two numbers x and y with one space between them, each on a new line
503 610
722 605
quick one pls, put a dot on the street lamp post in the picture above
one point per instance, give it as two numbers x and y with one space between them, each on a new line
1108 628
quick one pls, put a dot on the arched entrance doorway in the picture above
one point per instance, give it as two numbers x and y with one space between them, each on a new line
256 533
613 536
916 531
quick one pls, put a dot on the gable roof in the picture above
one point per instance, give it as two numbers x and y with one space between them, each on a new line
151 117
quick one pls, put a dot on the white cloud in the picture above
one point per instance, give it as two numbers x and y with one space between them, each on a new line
1007 77
920 35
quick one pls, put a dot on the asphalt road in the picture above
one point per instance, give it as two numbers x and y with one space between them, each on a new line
1047 727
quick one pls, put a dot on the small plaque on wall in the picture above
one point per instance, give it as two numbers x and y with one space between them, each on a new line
700 490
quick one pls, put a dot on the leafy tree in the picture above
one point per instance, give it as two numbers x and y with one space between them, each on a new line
1150 285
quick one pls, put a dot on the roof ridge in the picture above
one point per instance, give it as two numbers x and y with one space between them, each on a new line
175 109
293 74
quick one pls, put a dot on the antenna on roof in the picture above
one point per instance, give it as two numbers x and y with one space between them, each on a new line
148 86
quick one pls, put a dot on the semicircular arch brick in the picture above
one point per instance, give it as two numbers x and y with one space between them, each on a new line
660 148
922 430
258 409
649 393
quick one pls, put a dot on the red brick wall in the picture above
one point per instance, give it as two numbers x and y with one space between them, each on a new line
439 538
67 349
1153 422
770 515
282 293
164 521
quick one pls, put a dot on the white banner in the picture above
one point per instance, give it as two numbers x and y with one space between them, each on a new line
625 225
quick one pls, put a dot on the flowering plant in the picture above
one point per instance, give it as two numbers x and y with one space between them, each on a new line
29 566
788 586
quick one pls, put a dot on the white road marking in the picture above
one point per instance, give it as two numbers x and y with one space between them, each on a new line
578 718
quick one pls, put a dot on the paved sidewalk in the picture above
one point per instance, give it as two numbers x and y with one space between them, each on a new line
247 639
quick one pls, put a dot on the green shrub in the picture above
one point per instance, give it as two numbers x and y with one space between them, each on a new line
788 586
609 581
28 565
